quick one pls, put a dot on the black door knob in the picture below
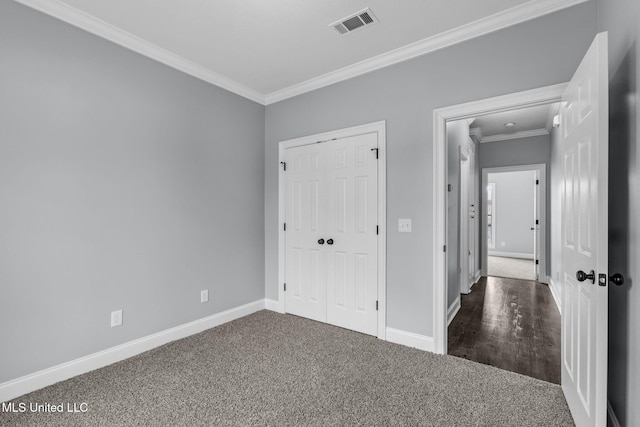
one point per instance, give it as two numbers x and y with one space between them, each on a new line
321 241
617 279
330 242
582 276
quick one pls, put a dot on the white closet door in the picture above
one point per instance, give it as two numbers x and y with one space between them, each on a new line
306 215
352 282
331 205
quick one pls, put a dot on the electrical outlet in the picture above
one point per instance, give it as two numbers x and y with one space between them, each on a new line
503 244
404 225
116 318
204 296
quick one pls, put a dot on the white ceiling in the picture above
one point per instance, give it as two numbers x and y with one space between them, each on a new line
270 50
530 121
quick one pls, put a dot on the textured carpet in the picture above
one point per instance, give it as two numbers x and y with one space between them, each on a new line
281 370
514 268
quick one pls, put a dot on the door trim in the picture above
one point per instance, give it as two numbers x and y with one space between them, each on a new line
541 212
464 287
529 98
380 128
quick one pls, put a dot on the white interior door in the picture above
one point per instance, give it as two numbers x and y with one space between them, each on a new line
463 221
352 227
471 216
306 186
584 129
331 245
535 226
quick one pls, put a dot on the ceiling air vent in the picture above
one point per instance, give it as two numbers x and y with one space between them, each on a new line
355 21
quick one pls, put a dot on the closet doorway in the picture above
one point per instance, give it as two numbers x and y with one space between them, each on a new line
332 236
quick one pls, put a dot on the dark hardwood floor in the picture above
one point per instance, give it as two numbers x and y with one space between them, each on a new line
511 324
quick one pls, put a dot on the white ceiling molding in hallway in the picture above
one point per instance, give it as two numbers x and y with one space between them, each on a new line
516 135
505 18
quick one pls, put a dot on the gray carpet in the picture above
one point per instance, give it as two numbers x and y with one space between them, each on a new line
514 268
281 370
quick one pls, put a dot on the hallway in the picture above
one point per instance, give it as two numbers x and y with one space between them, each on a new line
510 324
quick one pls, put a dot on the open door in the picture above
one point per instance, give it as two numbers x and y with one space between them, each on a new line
585 147
535 227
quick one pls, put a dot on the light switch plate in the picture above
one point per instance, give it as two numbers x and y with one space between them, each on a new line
404 225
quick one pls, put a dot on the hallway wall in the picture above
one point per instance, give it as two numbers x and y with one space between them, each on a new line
457 136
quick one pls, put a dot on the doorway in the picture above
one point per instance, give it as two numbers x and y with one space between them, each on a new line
511 324
471 110
514 222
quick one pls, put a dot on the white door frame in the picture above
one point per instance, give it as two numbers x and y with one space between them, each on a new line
463 222
541 215
380 128
529 98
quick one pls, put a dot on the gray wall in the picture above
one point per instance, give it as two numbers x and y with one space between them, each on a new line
457 136
517 152
522 57
124 185
620 18
514 211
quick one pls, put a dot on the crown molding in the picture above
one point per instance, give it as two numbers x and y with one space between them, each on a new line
476 133
515 135
516 15
91 24
553 111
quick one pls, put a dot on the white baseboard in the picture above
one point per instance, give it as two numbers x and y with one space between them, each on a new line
273 305
613 420
37 380
477 276
453 310
421 342
554 293
511 255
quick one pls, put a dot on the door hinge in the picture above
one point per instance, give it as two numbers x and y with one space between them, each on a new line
376 305
537 222
444 248
537 262
449 188
537 182
376 150
285 226
284 165
377 229
285 287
